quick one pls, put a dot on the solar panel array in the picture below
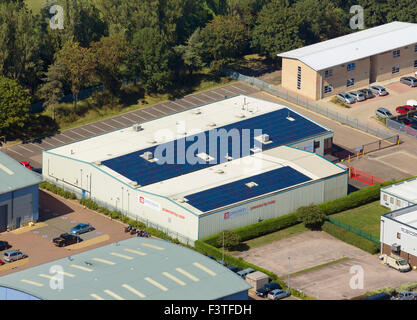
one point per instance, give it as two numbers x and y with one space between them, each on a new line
238 191
172 155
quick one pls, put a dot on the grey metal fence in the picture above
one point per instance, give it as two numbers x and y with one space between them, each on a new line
301 101
400 127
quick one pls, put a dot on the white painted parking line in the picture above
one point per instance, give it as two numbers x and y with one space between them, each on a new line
48 276
187 274
140 253
202 101
237 88
19 145
168 107
233 93
130 120
208 97
12 151
75 132
182 100
81 268
133 290
98 128
121 256
156 284
152 115
36 145
111 293
62 134
123 124
210 272
32 283
43 141
173 278
66 274
156 109
93 133
136 115
220 95
108 125
96 296
152 246
104 261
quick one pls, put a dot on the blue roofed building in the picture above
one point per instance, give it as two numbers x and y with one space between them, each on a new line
197 172
19 194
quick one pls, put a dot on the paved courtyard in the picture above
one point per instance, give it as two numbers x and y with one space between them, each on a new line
332 282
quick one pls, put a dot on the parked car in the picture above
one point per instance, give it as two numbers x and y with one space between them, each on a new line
234 269
4 245
266 288
409 122
245 272
409 81
221 262
406 295
404 109
368 93
378 90
66 239
412 103
358 95
14 255
383 113
396 262
346 98
379 296
2 262
26 165
81 228
278 294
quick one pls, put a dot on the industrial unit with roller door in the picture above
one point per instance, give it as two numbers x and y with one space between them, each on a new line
195 173
19 194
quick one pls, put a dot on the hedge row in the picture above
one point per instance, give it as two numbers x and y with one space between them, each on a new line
57 190
350 237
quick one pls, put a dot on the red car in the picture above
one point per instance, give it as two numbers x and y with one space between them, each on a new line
26 165
404 109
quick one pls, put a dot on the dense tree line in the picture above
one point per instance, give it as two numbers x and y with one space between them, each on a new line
161 42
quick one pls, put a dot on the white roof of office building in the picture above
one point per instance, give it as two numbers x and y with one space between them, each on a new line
407 216
355 46
124 141
14 176
406 190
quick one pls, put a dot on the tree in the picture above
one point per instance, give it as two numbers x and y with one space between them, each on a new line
312 216
14 106
78 67
190 53
276 29
224 38
109 55
52 90
231 239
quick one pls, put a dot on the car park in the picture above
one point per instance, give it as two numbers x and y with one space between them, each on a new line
14 255
346 98
409 81
245 272
378 90
404 109
66 239
358 95
278 294
81 228
383 113
26 165
266 288
4 245
368 93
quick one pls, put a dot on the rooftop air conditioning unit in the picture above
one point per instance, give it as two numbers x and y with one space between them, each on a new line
251 184
197 111
148 155
151 141
240 115
134 184
211 124
137 127
396 247
265 137
97 163
219 171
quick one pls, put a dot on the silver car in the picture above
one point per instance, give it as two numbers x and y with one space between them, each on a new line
346 98
278 294
14 255
368 93
383 113
409 81
378 90
358 95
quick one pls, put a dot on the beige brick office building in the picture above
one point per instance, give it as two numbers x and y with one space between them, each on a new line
351 62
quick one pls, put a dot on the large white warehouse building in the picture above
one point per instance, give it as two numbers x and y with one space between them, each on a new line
201 171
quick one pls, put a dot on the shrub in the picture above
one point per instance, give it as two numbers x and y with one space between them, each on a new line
312 216
350 237
410 286
57 190
231 240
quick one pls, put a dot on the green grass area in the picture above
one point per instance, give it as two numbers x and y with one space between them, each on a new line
320 266
35 5
366 218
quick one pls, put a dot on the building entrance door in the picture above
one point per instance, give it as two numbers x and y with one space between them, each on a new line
3 218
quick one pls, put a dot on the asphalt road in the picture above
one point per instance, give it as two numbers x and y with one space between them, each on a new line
32 151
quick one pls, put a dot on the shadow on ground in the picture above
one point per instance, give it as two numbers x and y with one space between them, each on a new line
51 207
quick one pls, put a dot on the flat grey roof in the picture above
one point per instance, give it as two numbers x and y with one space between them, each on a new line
406 216
14 176
406 190
133 269
355 46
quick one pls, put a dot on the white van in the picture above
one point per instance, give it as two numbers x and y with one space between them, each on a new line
396 262
412 103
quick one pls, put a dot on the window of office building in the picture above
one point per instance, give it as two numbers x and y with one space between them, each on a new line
385 197
396 69
415 63
398 235
396 53
391 200
328 89
350 82
328 73
351 66
415 48
299 78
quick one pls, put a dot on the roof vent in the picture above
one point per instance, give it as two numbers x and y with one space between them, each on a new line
211 124
196 111
148 155
229 158
290 118
72 151
265 138
151 141
134 184
97 163
251 184
182 200
219 171
137 127
240 115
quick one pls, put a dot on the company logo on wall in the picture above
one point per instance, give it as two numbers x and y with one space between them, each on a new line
409 232
149 203
235 212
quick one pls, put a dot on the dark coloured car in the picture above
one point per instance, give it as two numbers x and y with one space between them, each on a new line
368 93
379 296
268 287
66 239
4 245
234 269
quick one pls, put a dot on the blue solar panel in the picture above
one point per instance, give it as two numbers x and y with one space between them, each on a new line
238 191
281 131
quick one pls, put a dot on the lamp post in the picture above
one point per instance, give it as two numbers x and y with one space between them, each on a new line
223 248
289 271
